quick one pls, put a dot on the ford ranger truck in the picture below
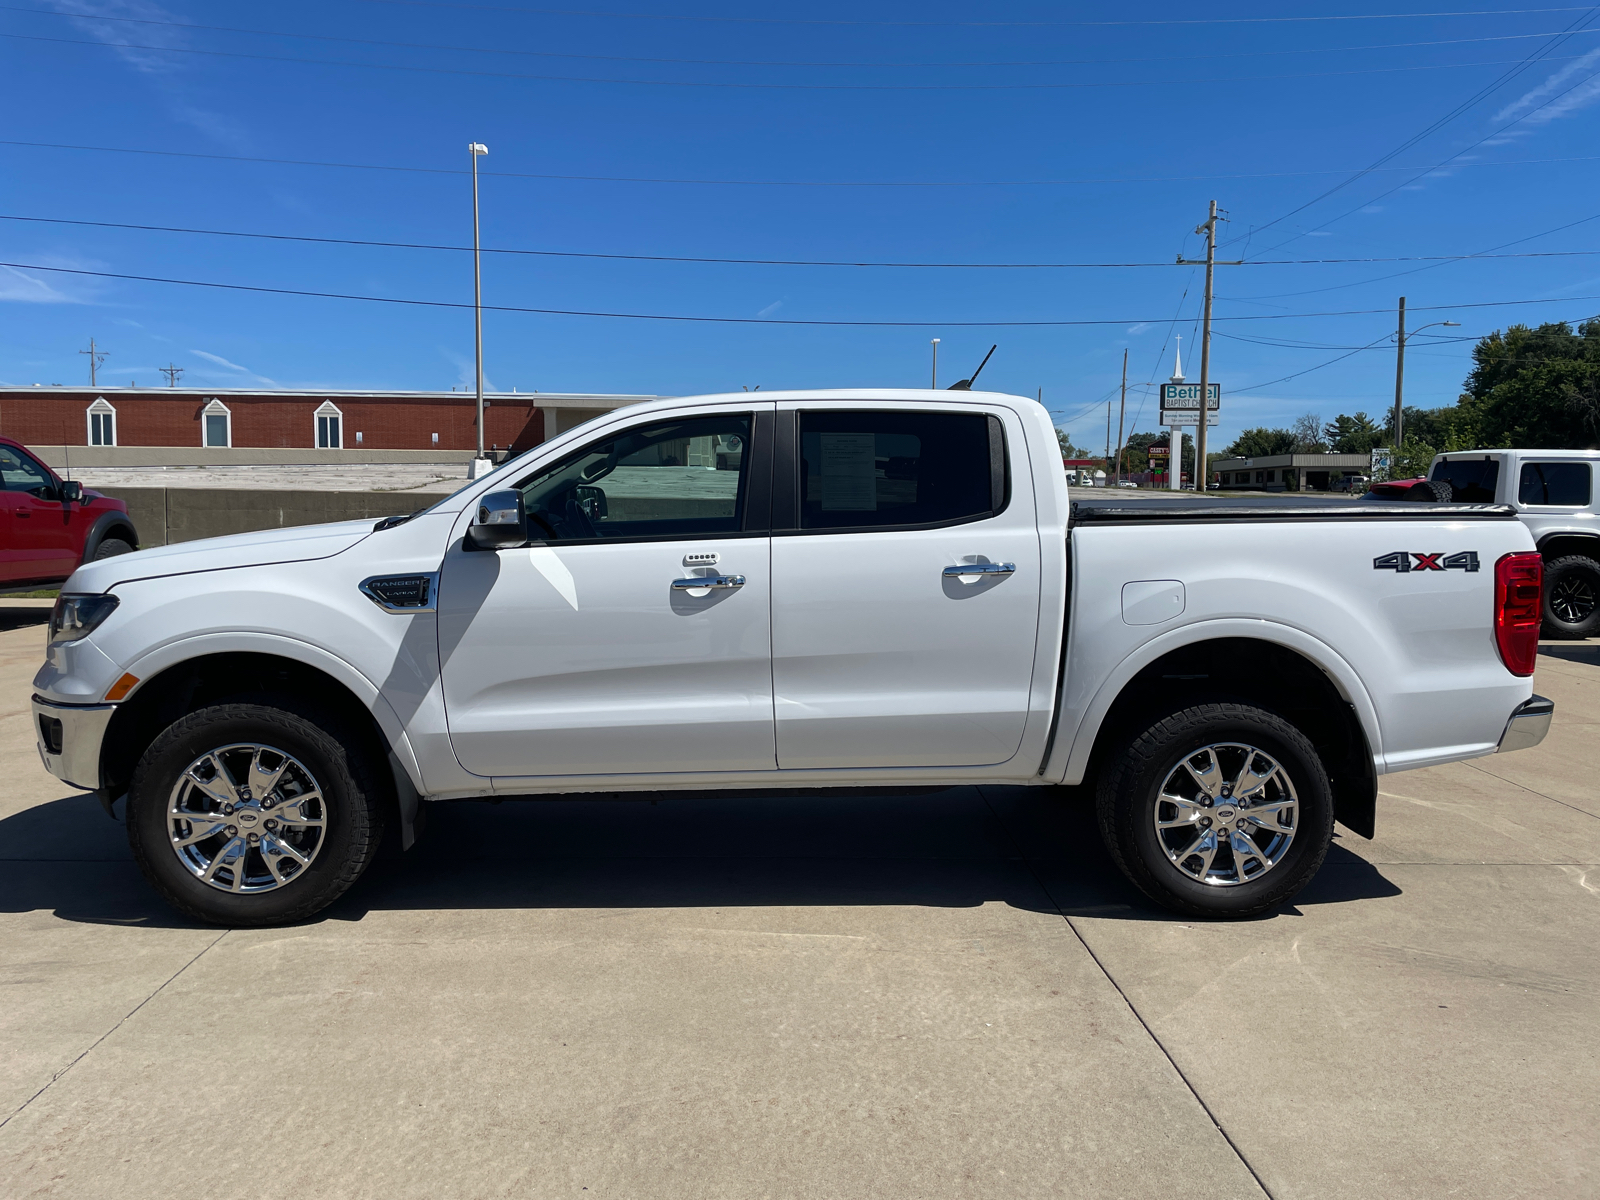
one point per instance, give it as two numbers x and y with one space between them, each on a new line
858 589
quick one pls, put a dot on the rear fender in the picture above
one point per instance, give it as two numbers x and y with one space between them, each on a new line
1069 762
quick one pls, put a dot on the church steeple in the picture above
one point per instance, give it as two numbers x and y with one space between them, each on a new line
1177 361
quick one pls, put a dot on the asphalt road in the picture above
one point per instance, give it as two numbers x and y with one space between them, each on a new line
943 995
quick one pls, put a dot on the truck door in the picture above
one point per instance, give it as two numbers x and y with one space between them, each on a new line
886 653
39 540
594 653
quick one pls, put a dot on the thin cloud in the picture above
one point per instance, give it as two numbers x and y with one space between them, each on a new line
24 288
1566 104
1139 328
465 371
232 366
770 309
84 12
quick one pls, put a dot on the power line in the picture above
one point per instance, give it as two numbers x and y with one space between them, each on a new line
625 16
1461 108
802 183
1492 252
775 262
738 62
567 312
1152 81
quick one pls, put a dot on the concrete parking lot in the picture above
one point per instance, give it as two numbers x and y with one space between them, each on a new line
939 995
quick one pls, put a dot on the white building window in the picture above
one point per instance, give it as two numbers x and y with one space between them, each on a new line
216 423
330 427
102 423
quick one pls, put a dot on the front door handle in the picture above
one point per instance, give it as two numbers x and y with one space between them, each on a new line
708 581
984 568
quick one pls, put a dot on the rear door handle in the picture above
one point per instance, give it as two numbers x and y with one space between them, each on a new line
708 581
980 569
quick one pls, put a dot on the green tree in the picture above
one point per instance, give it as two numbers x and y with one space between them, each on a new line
1534 388
1068 450
1260 442
1352 435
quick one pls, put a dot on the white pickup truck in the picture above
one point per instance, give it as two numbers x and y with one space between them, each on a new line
1554 495
806 589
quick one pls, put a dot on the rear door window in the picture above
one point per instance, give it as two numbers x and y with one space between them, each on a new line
1555 483
897 470
1471 480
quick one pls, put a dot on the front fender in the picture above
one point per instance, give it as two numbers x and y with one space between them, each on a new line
103 526
1070 759
174 653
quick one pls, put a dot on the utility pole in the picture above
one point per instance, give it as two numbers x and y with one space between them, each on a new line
935 383
476 149
172 371
96 357
1400 372
1209 228
1400 379
1122 414
1108 433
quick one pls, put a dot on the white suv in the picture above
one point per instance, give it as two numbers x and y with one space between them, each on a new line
1554 494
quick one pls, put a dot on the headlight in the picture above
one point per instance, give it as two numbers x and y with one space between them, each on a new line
77 617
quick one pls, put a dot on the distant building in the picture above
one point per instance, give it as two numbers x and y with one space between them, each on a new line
327 420
1289 472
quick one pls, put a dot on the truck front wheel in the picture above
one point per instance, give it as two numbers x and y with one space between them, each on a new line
1219 810
253 814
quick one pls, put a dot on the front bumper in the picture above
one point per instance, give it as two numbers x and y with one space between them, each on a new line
69 738
1528 725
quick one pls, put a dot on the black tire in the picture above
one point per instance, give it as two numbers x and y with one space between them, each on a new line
1571 600
352 805
110 548
1127 804
1431 490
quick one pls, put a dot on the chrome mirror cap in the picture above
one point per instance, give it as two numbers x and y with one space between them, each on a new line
500 522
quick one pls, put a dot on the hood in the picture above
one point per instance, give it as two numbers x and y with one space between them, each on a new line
298 544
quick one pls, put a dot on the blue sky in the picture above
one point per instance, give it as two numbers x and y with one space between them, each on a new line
1048 133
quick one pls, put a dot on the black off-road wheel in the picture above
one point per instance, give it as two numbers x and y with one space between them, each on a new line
110 548
1572 597
248 814
1218 810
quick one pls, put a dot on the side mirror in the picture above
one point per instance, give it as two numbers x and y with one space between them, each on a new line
500 522
71 492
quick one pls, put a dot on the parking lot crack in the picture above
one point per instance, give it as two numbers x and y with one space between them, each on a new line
1533 791
128 1016
1137 1016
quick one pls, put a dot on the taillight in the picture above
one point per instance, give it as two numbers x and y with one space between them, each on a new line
1517 580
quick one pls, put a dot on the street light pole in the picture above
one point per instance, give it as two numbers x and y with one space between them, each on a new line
935 382
1122 414
1400 370
476 149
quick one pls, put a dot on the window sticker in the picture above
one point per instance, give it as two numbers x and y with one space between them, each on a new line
849 472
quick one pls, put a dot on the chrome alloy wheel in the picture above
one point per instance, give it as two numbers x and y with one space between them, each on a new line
246 818
1226 814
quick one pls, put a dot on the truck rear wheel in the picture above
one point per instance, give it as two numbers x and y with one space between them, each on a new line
253 814
1572 597
1219 810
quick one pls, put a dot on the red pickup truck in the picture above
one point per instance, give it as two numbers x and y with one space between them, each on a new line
48 527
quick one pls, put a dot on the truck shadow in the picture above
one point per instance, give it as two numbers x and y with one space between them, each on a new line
1580 652
1032 848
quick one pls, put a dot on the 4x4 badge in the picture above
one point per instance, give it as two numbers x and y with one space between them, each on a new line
1400 560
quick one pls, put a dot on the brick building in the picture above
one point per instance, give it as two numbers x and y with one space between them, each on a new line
239 418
